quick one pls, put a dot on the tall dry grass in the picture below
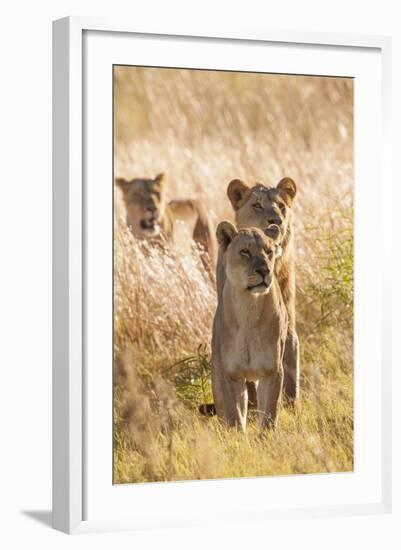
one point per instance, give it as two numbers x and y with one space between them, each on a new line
203 129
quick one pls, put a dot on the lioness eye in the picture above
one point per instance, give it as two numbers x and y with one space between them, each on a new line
244 252
257 206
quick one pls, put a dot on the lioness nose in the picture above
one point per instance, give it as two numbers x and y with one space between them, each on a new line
276 221
151 208
262 270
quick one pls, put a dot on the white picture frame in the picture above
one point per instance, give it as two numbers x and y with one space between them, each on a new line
70 258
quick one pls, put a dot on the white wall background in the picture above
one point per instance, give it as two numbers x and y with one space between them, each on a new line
25 291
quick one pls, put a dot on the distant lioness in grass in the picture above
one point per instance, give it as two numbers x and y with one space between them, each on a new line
179 222
250 326
259 206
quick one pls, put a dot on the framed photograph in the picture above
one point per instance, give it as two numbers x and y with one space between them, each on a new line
221 304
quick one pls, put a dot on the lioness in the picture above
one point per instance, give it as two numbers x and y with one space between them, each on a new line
259 206
179 222
250 326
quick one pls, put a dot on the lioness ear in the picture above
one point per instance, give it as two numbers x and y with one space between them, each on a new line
160 179
123 184
225 233
287 189
237 190
272 231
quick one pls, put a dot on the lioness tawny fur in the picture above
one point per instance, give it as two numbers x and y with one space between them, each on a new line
250 326
178 222
259 206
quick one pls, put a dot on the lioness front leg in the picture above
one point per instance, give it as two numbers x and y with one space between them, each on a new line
237 403
269 396
291 366
218 390
231 400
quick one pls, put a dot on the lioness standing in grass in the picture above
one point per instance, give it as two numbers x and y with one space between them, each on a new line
259 206
179 222
250 326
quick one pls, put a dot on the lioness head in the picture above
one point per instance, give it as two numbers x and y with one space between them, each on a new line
250 256
260 206
145 203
